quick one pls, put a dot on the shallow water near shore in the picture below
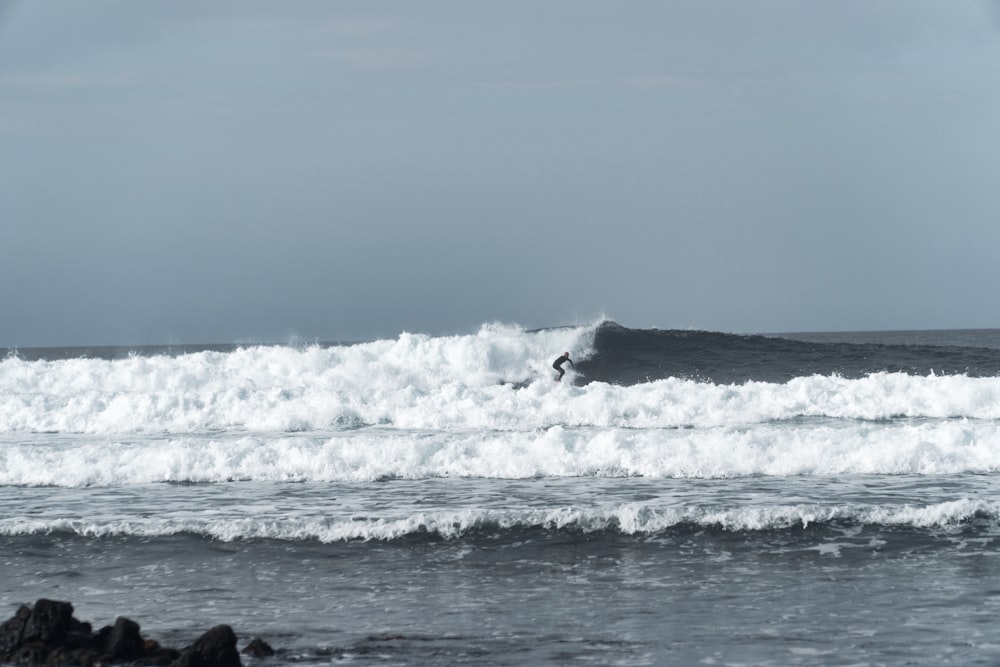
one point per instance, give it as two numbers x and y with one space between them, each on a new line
815 586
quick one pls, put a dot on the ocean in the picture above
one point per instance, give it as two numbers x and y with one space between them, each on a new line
680 498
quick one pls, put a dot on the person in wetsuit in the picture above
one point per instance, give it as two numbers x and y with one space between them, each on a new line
557 364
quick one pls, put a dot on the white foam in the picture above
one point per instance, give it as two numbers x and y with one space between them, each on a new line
443 383
806 447
419 407
413 379
624 518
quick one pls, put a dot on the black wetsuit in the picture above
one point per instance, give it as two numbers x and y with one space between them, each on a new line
557 364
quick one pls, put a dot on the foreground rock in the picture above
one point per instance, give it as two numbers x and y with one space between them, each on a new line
49 635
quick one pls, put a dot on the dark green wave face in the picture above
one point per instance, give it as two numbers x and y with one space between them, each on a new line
632 356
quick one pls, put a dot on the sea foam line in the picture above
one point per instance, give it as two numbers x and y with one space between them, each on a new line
626 519
803 447
319 402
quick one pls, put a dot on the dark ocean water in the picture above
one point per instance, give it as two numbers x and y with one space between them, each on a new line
629 356
685 498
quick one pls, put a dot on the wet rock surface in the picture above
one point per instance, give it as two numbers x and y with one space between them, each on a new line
48 634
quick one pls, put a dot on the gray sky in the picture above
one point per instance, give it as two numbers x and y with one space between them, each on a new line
238 171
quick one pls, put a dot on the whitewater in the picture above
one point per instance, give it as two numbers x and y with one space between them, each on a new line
681 497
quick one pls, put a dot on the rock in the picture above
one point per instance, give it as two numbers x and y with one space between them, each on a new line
48 635
215 648
12 631
85 657
258 648
31 634
32 653
158 657
125 642
49 622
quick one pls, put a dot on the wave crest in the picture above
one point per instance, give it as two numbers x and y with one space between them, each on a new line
630 519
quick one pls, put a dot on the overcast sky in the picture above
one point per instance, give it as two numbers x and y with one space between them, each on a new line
241 171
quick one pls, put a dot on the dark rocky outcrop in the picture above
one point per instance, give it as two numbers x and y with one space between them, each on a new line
48 635
215 648
124 643
258 648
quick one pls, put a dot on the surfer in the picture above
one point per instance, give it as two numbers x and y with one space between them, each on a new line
557 364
